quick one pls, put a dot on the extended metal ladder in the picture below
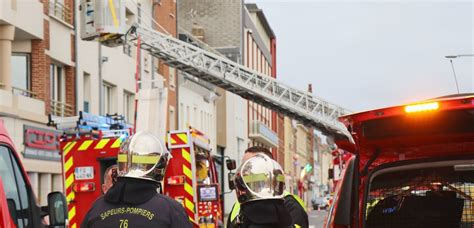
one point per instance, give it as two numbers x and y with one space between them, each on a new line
247 83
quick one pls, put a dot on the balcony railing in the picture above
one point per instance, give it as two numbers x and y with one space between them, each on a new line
23 92
59 10
59 108
264 134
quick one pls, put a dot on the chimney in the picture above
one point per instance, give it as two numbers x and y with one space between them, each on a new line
310 88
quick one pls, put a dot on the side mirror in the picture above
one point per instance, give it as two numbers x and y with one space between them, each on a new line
57 209
230 163
231 177
12 208
330 173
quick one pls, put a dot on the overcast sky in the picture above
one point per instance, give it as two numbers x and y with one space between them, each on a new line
369 54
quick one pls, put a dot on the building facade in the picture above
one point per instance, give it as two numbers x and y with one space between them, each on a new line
37 77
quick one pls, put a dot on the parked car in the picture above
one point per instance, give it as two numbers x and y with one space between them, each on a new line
413 166
320 203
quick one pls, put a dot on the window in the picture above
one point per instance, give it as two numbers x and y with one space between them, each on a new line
21 73
128 99
15 186
172 118
108 98
58 9
86 91
57 83
172 78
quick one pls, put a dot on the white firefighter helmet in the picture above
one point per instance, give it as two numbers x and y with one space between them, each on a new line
143 156
259 178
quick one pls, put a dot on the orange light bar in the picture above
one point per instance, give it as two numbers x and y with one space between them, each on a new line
422 107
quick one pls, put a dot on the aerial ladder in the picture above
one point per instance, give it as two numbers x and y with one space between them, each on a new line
105 21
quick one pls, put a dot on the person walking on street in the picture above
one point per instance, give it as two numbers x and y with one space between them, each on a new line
134 201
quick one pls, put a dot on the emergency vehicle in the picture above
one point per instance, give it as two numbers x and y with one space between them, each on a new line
18 204
412 166
90 144
191 177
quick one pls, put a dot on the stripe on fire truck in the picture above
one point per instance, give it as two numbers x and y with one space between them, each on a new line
69 180
85 145
189 204
68 147
183 137
72 213
186 155
117 143
189 189
70 197
101 143
187 172
68 164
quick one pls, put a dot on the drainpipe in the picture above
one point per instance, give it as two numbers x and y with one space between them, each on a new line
101 92
76 41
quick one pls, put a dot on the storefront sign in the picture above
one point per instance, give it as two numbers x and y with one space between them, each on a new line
41 143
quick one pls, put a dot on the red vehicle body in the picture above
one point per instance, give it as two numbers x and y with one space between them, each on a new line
413 166
18 205
86 156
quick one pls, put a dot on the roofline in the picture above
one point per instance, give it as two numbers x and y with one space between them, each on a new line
253 8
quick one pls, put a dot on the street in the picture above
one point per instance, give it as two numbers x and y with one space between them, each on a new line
316 218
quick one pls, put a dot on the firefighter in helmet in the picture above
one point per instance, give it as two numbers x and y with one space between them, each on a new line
293 203
134 201
260 184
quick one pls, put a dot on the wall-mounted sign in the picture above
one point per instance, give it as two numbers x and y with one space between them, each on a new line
41 143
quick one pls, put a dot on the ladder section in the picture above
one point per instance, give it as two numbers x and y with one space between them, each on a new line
249 84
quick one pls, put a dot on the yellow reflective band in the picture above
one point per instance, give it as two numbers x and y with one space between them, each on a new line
280 178
297 226
72 213
68 164
187 172
191 219
235 211
70 197
112 12
189 189
255 178
101 143
189 204
68 147
186 155
85 145
140 159
69 180
122 158
67 144
299 200
73 225
116 143
173 141
183 137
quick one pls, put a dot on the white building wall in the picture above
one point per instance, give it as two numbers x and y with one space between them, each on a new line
195 111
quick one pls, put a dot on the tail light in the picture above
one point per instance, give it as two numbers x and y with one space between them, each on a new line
83 187
175 180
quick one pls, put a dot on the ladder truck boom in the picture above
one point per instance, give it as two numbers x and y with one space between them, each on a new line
218 70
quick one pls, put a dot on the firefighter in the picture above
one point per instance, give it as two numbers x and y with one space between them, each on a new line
134 201
293 203
109 178
260 183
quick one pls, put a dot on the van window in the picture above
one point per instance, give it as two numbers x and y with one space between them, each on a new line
15 186
422 197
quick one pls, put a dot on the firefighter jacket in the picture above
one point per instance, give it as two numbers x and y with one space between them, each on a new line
293 204
135 203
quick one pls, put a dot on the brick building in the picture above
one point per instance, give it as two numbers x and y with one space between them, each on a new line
37 78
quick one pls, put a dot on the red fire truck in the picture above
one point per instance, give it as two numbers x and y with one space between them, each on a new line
18 207
90 145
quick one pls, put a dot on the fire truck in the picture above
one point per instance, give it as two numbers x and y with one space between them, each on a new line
90 144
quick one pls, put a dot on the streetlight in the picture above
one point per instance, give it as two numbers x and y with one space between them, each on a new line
451 57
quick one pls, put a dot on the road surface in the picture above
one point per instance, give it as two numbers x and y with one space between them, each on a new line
316 218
